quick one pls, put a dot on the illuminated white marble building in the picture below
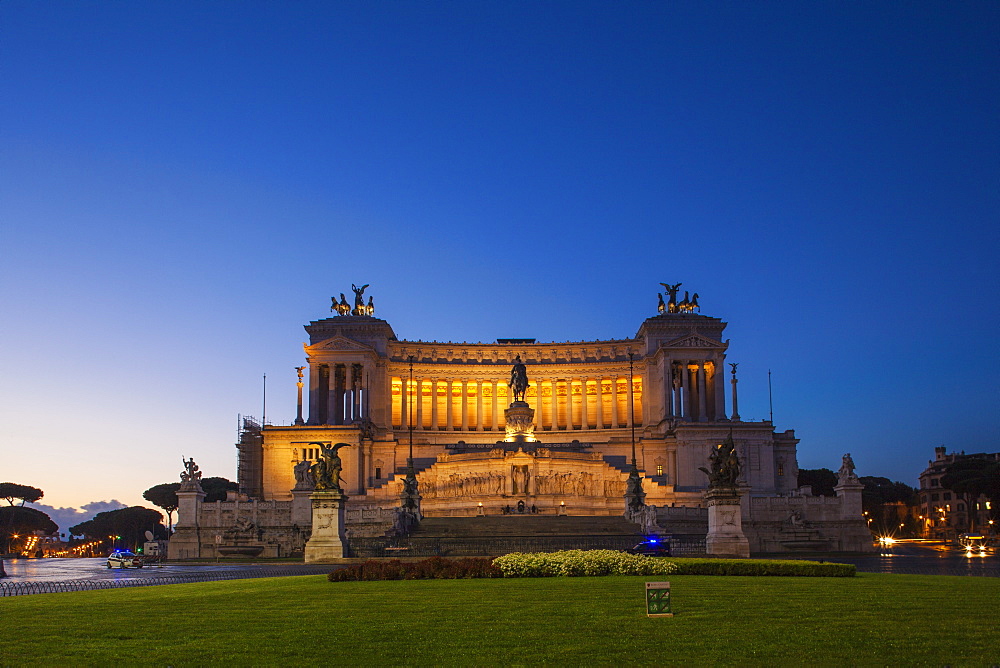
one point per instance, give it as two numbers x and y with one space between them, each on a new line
370 389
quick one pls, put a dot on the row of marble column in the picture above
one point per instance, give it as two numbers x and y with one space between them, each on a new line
337 393
690 392
480 416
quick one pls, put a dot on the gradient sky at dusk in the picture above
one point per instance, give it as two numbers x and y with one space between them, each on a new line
184 185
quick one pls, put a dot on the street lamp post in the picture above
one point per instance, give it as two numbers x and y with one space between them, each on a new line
410 493
634 496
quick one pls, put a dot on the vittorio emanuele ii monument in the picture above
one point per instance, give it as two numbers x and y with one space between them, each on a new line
638 435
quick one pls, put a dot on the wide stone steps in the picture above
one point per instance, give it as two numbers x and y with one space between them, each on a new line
420 464
523 525
496 535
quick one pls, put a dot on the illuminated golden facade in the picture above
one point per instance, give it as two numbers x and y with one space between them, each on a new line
369 389
567 449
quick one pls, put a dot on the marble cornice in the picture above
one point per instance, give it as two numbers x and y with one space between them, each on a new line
311 432
503 354
501 372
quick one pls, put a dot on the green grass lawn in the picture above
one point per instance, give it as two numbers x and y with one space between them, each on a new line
885 620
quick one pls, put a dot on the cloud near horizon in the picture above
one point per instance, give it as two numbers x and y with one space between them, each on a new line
68 517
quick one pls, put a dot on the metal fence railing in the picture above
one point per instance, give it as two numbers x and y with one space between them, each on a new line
41 587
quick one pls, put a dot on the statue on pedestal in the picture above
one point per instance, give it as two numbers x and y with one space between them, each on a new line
191 472
846 473
635 497
518 379
410 496
326 471
302 478
725 465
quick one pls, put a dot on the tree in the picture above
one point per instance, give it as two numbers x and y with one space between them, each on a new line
879 491
127 525
12 491
17 520
164 496
972 477
889 504
822 480
216 488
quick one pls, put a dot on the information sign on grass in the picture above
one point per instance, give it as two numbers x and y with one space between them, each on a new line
658 599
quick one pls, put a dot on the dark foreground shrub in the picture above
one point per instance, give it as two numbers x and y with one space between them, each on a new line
435 568
783 567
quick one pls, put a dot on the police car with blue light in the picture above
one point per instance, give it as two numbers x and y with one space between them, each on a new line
124 559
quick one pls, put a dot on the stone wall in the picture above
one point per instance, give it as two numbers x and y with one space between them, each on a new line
279 528
806 523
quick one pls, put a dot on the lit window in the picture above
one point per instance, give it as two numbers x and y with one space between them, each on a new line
781 469
659 469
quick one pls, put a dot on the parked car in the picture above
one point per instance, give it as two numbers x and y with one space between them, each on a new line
124 559
653 547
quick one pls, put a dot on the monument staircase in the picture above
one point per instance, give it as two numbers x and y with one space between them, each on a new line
420 464
803 538
621 463
494 535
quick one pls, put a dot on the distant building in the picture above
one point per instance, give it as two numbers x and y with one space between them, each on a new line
945 514
566 449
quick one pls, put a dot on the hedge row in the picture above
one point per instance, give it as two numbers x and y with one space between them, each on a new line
580 563
783 567
433 568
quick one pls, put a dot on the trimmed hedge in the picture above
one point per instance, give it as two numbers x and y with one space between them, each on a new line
428 569
574 563
579 563
783 567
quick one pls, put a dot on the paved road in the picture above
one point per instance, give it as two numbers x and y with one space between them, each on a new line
914 559
60 570
926 559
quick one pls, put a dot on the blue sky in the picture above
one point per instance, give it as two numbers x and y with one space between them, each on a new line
184 185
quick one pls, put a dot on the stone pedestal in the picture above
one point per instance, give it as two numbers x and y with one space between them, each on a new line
301 508
185 543
849 492
520 422
854 535
327 542
725 524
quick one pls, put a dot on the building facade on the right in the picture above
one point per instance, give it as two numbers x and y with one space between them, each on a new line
945 513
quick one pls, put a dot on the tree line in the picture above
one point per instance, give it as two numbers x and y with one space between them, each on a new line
125 527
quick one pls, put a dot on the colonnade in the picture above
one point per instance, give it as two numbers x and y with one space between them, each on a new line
692 391
596 402
338 393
